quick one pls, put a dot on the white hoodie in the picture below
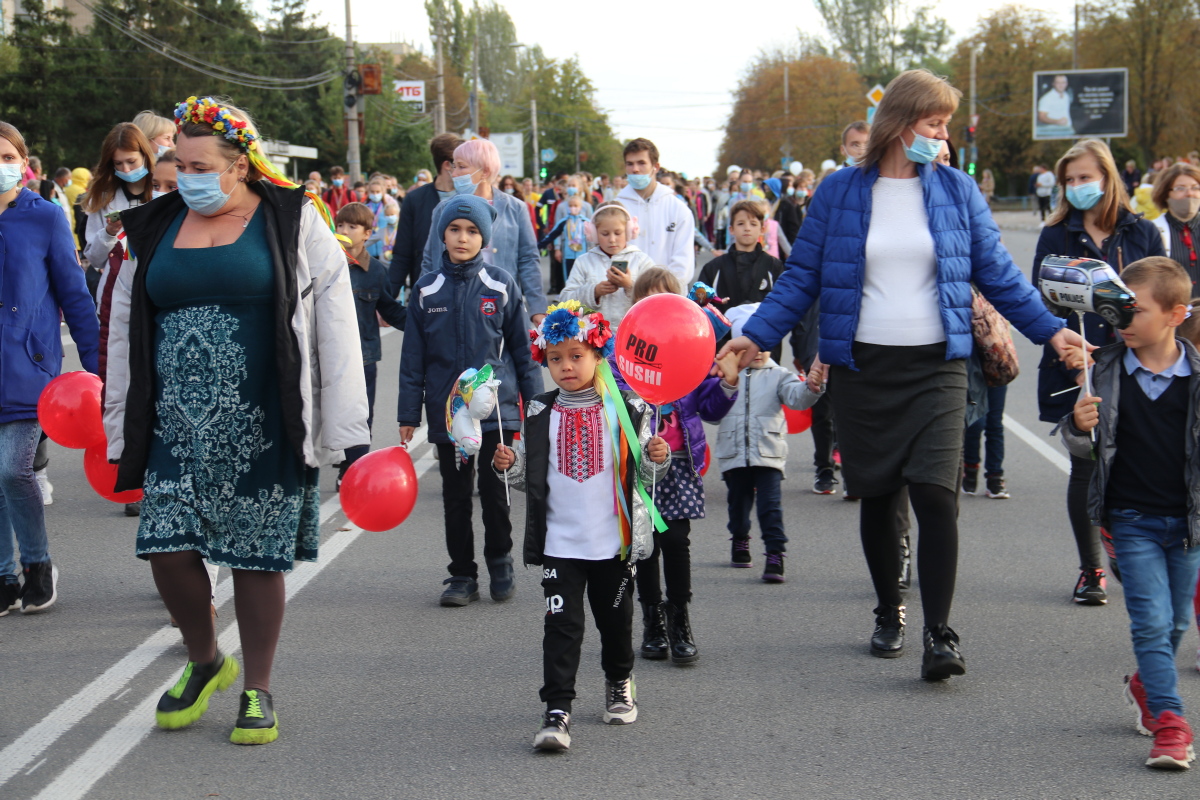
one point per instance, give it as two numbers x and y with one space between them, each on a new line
666 230
592 268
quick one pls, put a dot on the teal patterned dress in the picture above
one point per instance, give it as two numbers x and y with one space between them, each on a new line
222 477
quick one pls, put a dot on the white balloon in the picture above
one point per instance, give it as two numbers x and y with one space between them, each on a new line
796 168
828 163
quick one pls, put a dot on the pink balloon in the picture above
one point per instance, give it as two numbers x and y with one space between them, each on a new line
380 489
102 476
69 410
665 347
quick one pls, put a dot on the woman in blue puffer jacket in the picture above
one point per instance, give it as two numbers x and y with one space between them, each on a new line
891 249
39 276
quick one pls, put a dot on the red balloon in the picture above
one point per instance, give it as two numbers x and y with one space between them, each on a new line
102 476
665 347
69 410
380 489
707 459
798 421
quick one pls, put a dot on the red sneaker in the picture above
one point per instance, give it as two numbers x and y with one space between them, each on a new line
1135 695
1172 743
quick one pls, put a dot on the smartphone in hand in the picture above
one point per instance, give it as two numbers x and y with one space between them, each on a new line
622 265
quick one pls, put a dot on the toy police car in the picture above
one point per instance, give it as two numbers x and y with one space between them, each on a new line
1085 284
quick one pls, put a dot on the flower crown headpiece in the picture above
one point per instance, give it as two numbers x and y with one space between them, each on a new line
206 111
571 320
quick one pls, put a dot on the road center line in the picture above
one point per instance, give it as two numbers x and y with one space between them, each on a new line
1038 443
34 741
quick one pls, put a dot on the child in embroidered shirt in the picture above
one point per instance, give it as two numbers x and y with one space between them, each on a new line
585 460
667 628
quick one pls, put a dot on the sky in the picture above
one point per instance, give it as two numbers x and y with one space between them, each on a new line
666 73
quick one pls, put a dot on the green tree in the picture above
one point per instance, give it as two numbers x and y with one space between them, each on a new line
884 37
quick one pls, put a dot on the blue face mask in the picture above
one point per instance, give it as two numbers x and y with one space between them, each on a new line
791 192
923 150
572 191
852 161
638 182
392 220
202 192
10 176
746 187
133 176
374 197
464 185
1085 195
338 181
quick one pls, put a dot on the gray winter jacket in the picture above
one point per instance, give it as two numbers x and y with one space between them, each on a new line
754 432
1106 384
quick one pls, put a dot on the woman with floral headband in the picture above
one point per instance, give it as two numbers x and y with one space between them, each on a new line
232 376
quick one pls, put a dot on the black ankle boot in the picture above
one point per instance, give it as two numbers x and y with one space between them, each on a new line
942 657
888 639
654 632
679 634
905 564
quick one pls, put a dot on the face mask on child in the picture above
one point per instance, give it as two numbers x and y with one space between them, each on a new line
746 186
374 197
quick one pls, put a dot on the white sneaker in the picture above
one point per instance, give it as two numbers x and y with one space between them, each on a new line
44 484
620 702
555 734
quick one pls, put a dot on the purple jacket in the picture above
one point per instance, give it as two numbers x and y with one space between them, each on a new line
706 403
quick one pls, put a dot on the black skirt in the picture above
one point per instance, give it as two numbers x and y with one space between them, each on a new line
899 417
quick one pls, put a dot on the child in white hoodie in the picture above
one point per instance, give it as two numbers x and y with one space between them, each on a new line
603 277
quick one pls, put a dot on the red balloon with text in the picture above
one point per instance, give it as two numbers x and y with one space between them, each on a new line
380 489
665 347
69 410
102 476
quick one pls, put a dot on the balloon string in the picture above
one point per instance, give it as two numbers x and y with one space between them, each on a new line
1087 375
500 424
654 472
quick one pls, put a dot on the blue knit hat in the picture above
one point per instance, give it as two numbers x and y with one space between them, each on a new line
467 206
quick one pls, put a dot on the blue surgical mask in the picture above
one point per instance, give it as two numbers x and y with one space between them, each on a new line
852 161
746 186
638 182
791 192
202 192
923 150
391 220
374 197
338 181
572 191
1085 195
464 185
510 190
133 176
162 148
155 194
10 176
445 195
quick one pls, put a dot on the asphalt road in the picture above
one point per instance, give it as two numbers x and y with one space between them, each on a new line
381 693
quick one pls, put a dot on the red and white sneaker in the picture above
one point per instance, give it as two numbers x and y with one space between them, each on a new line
1135 695
1172 743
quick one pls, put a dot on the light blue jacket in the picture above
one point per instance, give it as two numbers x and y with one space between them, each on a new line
828 262
513 249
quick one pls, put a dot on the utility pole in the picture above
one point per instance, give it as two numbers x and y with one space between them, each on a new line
537 154
1075 44
577 147
439 119
353 157
787 116
974 147
475 87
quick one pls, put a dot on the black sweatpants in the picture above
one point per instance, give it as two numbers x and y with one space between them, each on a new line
610 594
674 548
1087 535
823 434
456 501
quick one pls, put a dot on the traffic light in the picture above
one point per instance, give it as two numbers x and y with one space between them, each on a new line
970 134
971 168
543 174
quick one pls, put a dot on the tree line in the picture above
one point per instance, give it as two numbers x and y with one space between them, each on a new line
871 41
64 88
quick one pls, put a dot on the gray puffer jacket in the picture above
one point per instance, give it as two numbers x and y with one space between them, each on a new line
754 432
1106 384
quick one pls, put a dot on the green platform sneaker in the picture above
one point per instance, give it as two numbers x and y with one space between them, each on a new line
256 723
187 700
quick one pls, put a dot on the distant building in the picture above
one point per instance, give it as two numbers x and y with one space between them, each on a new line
11 9
398 50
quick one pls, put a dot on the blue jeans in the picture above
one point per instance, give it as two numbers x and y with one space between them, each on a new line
1158 574
21 509
993 425
743 484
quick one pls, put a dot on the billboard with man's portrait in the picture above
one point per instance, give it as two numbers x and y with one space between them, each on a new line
1078 103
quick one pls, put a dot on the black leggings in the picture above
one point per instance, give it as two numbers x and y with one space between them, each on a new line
675 547
936 508
1087 535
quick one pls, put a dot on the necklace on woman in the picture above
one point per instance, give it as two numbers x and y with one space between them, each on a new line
244 217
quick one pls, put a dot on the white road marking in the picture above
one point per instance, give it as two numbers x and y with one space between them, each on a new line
1055 456
72 711
33 769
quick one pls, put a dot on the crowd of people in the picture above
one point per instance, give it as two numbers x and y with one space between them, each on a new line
227 311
